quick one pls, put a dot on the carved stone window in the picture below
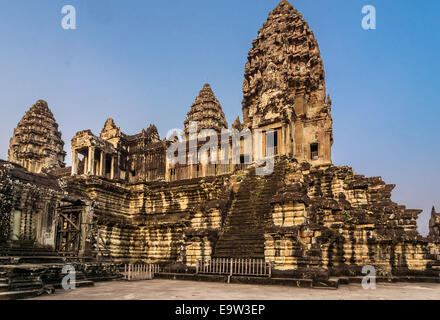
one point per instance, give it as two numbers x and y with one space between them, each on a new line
314 155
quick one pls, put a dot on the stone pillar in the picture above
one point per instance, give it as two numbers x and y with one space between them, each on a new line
112 168
290 140
86 162
167 169
299 152
258 145
327 155
102 164
87 227
117 160
91 158
74 162
231 165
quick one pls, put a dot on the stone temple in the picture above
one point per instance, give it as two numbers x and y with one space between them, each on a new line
123 200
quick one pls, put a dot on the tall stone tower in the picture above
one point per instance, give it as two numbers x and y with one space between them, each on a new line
36 143
284 87
207 112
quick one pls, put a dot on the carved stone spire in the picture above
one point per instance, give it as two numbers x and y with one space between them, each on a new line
110 130
36 143
284 60
206 111
151 134
284 87
237 124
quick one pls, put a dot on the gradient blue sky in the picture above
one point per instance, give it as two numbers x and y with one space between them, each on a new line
143 62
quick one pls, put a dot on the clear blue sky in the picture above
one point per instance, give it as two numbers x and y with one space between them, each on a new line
144 62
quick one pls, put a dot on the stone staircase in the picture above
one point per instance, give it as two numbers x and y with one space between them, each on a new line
30 271
243 233
26 280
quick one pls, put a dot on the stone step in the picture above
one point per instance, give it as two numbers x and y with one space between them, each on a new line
242 247
37 259
105 278
78 284
14 295
27 252
234 233
25 285
332 283
4 287
248 216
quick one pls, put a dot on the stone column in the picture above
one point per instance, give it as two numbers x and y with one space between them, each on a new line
87 227
74 162
117 160
326 148
86 162
258 145
167 169
102 164
91 158
290 140
112 171
298 141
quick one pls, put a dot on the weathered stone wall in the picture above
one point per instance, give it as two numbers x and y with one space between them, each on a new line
28 205
6 205
156 222
329 217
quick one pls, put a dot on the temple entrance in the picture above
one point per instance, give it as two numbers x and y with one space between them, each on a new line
69 230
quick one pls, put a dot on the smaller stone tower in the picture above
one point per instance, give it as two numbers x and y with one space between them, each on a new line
207 112
36 143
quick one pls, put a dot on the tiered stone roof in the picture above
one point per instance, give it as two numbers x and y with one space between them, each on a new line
206 111
36 143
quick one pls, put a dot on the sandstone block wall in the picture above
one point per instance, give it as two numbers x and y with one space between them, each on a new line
157 222
332 218
28 204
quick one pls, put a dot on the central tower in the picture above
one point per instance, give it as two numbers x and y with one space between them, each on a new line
284 88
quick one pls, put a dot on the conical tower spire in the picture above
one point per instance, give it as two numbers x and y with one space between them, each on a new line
36 143
237 124
206 111
284 60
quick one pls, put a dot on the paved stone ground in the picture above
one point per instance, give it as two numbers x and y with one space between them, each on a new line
188 290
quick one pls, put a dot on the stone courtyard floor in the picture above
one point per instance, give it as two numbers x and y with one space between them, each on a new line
187 290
